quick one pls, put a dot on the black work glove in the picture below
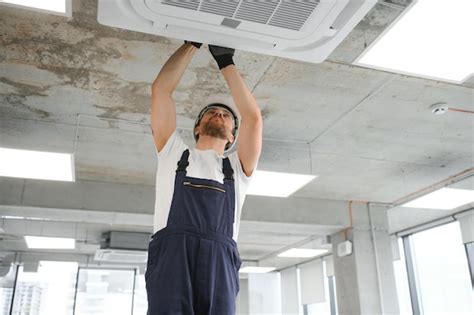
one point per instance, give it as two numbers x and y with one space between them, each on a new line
222 55
197 45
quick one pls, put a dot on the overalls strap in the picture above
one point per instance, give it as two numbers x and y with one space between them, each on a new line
227 169
183 162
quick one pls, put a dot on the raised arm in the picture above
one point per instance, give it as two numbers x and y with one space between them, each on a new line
250 133
163 109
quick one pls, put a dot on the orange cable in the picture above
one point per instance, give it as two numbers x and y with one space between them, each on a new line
461 110
453 177
350 215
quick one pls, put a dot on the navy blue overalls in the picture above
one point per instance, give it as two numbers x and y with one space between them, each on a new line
193 263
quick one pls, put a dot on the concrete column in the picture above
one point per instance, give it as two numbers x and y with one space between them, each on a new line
365 280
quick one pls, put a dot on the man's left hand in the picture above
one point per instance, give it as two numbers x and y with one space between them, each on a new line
222 55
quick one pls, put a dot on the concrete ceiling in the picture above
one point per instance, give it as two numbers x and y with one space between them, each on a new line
73 85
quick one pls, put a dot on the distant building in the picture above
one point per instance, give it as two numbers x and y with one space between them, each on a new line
27 298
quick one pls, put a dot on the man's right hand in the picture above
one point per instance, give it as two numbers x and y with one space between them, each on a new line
195 44
163 109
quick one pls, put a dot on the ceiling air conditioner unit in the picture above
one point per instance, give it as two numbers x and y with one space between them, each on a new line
121 256
304 30
123 247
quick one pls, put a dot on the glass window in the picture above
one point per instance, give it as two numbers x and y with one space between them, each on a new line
7 281
442 271
104 291
401 281
50 290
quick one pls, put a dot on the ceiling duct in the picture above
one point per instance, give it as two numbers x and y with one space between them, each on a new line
121 256
303 30
123 247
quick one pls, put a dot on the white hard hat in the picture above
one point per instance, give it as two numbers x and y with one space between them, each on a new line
229 108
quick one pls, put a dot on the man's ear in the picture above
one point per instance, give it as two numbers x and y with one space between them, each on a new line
231 139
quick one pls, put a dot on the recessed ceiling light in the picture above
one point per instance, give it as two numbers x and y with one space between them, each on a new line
42 242
54 6
253 269
302 253
430 40
443 199
36 164
277 184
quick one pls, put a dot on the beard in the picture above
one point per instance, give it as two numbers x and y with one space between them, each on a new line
214 129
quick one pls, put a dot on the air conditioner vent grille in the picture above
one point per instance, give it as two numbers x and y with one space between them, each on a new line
256 11
288 14
224 8
293 14
187 4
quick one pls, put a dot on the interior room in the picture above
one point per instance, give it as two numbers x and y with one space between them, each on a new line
362 199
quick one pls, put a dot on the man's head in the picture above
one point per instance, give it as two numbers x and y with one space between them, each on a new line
219 121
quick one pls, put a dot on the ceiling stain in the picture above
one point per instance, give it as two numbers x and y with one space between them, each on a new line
71 49
88 56
19 101
25 89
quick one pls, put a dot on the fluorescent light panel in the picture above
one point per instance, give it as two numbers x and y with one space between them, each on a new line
253 269
432 39
443 199
302 253
49 5
14 217
36 164
277 184
42 242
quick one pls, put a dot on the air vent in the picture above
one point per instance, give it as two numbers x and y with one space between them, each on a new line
285 14
256 11
293 14
224 8
185 4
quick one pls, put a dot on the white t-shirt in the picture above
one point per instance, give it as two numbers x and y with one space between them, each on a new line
206 164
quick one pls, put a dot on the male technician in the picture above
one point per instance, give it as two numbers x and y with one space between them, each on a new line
193 261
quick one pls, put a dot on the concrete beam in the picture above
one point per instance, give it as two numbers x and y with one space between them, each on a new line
87 195
135 203
76 216
296 210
